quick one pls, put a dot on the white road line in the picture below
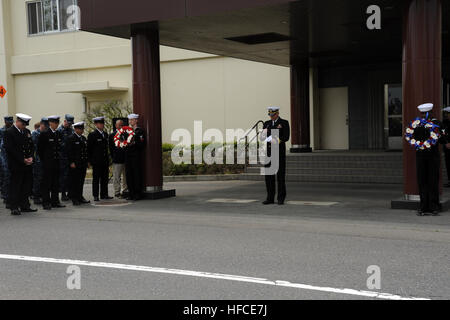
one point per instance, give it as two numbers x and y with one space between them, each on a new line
218 276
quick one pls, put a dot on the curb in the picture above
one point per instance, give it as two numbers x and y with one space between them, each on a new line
220 177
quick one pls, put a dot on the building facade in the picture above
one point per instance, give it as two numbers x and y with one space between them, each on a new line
47 69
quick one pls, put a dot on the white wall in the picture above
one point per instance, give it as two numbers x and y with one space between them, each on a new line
223 92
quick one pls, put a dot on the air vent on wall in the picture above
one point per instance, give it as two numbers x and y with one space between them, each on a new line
260 38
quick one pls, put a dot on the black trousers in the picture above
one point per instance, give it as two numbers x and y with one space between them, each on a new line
100 180
447 162
133 169
50 182
76 182
273 180
20 187
428 166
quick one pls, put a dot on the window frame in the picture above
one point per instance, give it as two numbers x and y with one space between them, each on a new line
43 32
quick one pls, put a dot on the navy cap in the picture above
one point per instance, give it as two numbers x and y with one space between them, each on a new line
9 119
79 125
70 118
99 120
24 118
53 118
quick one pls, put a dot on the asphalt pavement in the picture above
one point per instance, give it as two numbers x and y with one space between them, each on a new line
318 246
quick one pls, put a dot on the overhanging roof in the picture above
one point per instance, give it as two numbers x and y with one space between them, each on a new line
90 87
325 32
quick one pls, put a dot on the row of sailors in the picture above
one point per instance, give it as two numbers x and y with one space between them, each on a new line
52 160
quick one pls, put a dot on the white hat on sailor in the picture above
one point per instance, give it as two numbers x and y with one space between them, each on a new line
133 116
426 107
53 118
99 119
79 125
24 118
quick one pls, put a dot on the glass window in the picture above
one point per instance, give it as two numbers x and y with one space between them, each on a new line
34 17
48 16
67 14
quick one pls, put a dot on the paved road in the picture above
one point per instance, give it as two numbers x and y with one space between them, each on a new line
321 246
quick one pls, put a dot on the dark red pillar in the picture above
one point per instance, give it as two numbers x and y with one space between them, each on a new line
422 68
300 122
147 103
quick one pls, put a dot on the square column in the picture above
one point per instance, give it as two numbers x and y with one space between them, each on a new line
422 79
300 115
147 103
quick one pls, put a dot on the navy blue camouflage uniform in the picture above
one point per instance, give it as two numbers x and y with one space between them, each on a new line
64 160
5 174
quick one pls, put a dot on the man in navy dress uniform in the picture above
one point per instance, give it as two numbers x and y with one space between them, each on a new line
20 151
49 150
78 162
98 156
282 129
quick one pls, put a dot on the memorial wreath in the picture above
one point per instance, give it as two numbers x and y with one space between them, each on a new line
430 127
124 137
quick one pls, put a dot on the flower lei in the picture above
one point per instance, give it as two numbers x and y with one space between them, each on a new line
428 124
119 139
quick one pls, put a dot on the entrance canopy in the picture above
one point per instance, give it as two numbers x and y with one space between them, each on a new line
280 32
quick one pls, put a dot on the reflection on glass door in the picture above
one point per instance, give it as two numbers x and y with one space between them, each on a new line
393 116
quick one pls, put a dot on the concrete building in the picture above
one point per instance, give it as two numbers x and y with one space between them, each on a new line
47 69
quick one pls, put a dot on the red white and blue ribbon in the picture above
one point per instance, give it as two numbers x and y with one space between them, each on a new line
433 139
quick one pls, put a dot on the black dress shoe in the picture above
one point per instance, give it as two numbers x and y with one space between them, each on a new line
58 205
420 213
76 203
47 207
107 198
96 199
64 197
435 213
15 212
267 202
281 203
28 210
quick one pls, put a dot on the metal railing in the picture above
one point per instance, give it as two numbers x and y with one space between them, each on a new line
248 140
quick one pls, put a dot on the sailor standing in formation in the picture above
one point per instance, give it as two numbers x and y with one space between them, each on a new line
4 171
428 164
20 150
77 155
66 131
133 160
49 148
98 156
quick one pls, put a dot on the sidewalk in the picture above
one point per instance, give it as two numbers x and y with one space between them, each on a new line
346 203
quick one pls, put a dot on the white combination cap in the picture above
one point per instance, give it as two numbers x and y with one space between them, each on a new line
133 116
99 119
79 124
53 118
273 109
23 117
447 109
425 107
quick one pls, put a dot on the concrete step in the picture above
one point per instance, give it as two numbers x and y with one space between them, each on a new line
345 164
331 178
340 171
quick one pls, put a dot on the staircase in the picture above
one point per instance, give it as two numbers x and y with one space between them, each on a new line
340 167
